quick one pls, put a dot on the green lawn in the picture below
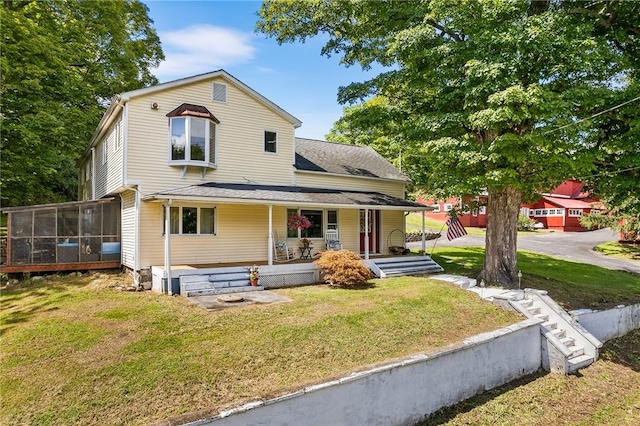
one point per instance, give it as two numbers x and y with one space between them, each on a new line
74 353
414 223
573 285
620 250
606 393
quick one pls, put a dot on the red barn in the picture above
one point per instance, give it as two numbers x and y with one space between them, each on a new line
473 217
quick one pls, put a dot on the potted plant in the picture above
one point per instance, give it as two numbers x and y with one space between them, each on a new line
254 275
305 242
298 221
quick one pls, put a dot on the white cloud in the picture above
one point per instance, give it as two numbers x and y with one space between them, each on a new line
202 48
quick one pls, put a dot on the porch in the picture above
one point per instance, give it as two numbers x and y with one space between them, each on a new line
62 237
211 279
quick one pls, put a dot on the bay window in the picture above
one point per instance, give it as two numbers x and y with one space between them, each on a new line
192 136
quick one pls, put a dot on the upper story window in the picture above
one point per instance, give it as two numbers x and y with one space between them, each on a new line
192 136
117 138
270 141
105 148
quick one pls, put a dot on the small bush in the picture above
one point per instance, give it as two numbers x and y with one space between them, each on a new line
525 223
342 268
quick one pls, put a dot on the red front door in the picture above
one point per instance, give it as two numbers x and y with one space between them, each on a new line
374 231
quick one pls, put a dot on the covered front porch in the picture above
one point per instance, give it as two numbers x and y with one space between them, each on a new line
365 223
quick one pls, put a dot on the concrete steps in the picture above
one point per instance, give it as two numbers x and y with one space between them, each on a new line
408 265
235 280
569 347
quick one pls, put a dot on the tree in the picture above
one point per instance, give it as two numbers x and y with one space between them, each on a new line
480 92
61 61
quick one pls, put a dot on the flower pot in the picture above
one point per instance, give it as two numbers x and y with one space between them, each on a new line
254 282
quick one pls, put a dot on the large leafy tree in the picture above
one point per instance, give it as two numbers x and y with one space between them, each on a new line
61 61
477 93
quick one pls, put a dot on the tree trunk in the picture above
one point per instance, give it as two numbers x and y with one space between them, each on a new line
501 241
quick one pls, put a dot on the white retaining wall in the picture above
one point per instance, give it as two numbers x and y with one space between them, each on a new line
609 324
404 392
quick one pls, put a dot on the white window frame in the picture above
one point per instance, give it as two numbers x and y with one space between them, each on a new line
436 208
87 171
116 137
198 220
187 161
482 209
576 212
325 221
264 141
105 148
448 207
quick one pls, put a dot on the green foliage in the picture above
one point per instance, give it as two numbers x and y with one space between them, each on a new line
525 223
627 225
482 95
61 61
343 268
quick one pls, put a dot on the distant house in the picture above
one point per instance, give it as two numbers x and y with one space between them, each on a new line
206 171
559 210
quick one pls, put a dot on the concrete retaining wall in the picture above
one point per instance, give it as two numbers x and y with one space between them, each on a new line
404 392
609 324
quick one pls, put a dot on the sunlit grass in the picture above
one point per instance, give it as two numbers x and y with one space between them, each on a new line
620 250
73 353
573 285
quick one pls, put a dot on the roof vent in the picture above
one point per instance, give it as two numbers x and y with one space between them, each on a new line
220 92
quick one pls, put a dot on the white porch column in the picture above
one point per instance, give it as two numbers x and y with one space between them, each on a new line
167 246
270 239
366 234
424 238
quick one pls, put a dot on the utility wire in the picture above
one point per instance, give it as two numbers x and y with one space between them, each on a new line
593 116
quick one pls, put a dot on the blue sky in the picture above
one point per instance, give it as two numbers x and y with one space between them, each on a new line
203 36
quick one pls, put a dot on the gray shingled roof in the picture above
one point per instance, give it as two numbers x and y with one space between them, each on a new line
352 160
285 195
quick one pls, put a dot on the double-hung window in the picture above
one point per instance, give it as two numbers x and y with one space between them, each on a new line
318 225
191 220
270 141
192 136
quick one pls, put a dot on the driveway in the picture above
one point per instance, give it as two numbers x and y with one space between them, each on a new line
574 246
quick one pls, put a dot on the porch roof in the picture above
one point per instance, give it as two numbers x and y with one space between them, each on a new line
239 193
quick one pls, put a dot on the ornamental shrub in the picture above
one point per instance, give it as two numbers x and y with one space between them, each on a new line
525 223
343 268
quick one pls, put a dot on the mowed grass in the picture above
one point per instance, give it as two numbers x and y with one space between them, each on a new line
573 285
620 250
606 393
414 223
73 353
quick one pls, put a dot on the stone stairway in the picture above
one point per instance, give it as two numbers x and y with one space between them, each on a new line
407 265
232 280
567 346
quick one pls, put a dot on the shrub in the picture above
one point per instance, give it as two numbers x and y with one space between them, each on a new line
342 268
525 223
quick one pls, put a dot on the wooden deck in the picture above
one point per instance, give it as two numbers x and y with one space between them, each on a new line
58 267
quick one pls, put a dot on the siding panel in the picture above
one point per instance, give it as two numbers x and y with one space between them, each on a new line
314 180
128 228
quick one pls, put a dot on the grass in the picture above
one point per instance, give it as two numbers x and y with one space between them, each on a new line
76 353
620 250
573 285
606 393
414 223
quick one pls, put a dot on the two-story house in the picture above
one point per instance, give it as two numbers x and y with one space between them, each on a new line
208 172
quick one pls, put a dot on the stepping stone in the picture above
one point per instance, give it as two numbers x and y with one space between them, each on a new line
230 298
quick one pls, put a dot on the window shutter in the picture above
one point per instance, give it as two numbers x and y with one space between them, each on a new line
220 92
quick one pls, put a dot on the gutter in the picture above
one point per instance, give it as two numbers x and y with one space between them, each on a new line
105 123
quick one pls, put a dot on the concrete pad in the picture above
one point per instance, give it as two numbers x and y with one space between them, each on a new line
216 302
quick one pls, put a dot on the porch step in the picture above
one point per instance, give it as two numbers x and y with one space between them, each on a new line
410 265
231 281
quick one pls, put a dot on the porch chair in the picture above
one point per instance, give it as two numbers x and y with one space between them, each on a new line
282 252
331 239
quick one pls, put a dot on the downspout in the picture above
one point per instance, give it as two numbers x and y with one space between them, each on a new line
125 141
136 261
270 238
293 167
167 246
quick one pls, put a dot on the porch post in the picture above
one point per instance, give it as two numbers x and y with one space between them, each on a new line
167 246
424 238
270 238
366 234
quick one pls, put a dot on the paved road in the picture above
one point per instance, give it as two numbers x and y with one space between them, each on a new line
575 246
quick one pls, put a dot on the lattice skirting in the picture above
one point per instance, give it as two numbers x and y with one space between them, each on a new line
290 279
